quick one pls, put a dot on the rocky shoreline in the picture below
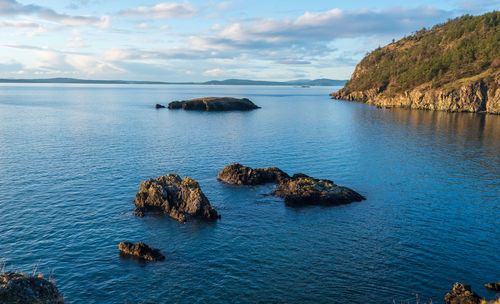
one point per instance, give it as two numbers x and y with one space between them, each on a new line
23 288
480 96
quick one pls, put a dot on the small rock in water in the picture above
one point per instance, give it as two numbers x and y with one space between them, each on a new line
241 175
493 286
171 195
159 106
141 251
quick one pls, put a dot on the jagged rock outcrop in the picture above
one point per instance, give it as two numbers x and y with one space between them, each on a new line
140 251
28 289
493 286
174 196
214 104
462 294
240 175
301 189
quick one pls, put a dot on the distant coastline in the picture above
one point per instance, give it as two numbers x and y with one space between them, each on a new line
302 82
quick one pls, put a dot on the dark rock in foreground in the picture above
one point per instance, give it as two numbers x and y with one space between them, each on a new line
214 104
141 251
159 106
461 294
22 288
171 195
493 286
241 175
304 190
299 189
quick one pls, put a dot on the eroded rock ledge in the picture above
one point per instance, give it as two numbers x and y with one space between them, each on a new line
214 104
140 251
299 189
22 288
175 197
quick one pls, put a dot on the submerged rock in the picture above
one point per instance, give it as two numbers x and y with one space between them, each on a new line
171 195
141 251
461 294
159 106
22 288
301 189
493 286
214 104
241 175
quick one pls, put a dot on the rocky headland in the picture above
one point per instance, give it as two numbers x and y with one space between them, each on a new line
300 189
452 67
28 289
173 196
214 104
140 251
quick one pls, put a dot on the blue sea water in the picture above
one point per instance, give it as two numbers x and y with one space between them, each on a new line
72 158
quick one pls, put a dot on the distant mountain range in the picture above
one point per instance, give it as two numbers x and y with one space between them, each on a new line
300 82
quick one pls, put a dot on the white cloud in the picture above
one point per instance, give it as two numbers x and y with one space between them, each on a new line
214 72
14 8
162 10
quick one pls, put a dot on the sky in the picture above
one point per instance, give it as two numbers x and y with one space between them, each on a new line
195 40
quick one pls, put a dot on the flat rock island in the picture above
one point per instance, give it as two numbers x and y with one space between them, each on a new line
176 197
210 104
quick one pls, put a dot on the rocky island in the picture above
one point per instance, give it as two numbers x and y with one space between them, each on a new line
176 197
22 288
140 251
214 104
300 189
452 67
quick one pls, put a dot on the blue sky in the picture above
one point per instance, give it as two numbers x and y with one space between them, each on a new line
201 40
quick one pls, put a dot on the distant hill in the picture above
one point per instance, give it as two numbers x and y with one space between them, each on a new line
454 66
302 82
305 82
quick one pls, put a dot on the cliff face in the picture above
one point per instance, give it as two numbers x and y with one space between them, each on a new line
479 96
453 67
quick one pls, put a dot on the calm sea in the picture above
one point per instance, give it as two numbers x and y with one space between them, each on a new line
72 158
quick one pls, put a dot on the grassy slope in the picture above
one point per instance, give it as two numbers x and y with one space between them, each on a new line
445 56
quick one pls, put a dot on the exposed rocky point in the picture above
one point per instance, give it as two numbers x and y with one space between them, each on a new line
214 104
301 189
462 294
493 286
159 106
141 251
22 288
174 196
240 175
